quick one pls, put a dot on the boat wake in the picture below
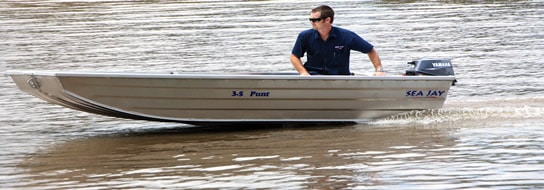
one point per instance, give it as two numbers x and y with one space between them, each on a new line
474 112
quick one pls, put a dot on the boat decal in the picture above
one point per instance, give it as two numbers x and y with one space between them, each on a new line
33 82
425 93
252 93
260 94
237 93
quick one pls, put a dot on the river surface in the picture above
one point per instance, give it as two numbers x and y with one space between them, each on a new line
489 135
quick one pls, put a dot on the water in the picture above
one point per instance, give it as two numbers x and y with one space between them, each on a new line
489 135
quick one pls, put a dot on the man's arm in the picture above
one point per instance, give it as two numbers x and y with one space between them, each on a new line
297 63
375 59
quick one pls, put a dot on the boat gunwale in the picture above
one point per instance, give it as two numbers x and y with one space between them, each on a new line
218 75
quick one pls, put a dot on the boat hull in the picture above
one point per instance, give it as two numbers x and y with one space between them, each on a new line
199 98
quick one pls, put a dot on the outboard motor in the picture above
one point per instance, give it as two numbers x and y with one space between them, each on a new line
431 67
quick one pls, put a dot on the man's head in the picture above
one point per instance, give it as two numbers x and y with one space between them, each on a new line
321 14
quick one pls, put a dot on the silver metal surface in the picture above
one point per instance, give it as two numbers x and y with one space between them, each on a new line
236 97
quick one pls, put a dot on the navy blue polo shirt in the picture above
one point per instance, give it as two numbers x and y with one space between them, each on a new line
329 57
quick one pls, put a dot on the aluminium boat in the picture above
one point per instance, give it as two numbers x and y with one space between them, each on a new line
214 98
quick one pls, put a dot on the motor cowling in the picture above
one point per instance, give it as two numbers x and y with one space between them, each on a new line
431 67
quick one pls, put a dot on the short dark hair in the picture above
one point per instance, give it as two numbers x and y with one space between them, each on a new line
325 11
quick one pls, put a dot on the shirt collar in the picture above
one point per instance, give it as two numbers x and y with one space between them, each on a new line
332 34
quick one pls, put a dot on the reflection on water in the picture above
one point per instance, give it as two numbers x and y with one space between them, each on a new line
328 157
489 134
316 157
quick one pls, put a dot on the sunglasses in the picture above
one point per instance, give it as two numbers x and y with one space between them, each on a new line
316 19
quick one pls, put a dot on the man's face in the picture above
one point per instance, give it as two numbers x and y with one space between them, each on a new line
316 20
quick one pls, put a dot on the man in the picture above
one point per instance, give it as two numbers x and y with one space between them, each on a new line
328 47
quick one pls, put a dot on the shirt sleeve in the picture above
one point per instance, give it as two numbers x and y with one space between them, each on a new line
299 48
360 44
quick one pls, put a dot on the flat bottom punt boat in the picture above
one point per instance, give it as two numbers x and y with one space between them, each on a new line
206 98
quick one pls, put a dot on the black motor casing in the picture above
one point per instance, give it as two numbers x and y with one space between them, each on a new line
432 67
